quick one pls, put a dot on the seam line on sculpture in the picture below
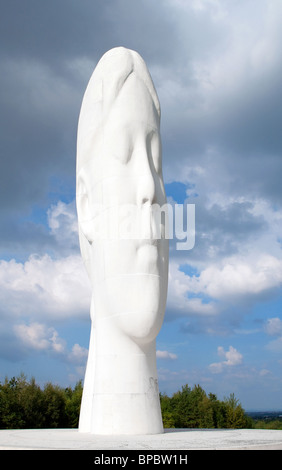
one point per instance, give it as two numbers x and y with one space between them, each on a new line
134 274
123 313
115 176
130 274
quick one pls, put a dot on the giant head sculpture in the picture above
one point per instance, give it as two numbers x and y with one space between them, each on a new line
119 182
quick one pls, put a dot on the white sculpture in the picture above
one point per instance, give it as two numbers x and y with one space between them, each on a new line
119 167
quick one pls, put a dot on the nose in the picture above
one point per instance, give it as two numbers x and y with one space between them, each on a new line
146 191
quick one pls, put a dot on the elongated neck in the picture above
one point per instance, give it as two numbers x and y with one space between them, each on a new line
126 392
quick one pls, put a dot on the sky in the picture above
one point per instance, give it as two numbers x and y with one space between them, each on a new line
217 68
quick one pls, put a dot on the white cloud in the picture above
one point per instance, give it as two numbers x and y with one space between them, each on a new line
275 345
62 220
44 290
238 276
232 358
43 287
248 279
264 372
39 337
273 326
78 354
178 300
42 338
166 355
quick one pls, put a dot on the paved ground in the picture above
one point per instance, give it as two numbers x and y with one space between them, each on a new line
172 439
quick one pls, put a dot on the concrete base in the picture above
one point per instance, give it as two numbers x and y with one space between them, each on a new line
172 439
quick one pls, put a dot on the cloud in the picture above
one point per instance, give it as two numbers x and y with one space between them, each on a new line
273 327
51 231
47 60
38 133
179 303
217 74
223 114
211 292
78 354
40 338
240 277
62 221
217 69
43 287
166 355
232 358
46 288
237 255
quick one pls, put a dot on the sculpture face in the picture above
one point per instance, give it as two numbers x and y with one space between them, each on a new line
129 276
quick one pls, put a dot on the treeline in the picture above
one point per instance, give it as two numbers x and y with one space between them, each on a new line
24 405
268 424
193 408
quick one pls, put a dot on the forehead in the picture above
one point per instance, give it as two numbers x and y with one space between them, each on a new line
133 103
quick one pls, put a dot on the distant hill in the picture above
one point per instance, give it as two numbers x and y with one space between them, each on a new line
265 415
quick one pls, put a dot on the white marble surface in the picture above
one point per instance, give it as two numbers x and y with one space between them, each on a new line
119 181
174 439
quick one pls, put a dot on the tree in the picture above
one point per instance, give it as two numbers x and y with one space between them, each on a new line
205 413
167 411
218 411
182 407
192 408
235 415
24 405
54 406
73 401
31 401
11 410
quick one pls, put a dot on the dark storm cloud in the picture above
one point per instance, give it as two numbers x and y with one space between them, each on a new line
236 137
221 113
247 131
38 128
42 45
58 29
50 31
222 109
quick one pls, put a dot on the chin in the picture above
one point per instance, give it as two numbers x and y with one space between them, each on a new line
136 304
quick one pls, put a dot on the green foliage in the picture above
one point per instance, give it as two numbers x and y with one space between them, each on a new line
192 408
265 424
73 400
24 404
235 415
167 411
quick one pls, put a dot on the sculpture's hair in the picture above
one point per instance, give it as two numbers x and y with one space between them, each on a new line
107 80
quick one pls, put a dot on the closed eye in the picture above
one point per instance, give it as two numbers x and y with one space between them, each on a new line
123 148
154 150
